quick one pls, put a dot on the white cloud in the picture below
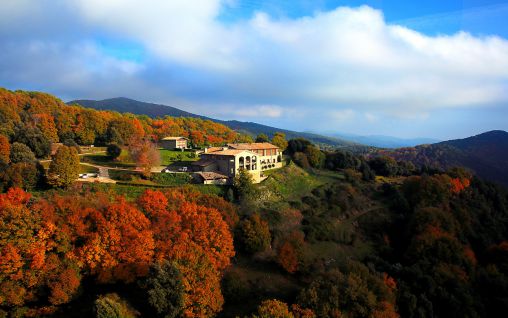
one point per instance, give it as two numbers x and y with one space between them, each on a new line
342 115
335 63
246 111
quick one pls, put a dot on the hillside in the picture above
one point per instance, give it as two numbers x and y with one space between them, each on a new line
36 113
122 104
486 154
126 105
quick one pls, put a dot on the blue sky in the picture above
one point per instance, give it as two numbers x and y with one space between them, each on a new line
409 69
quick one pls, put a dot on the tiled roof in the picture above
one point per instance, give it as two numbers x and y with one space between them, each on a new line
253 146
214 149
173 138
227 152
211 175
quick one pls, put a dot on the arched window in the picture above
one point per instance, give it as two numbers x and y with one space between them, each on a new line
247 163
241 163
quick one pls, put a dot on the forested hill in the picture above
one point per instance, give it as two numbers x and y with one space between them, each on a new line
486 154
122 104
38 119
126 105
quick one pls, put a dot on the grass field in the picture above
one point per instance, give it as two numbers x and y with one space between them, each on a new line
102 159
87 169
132 191
290 182
170 156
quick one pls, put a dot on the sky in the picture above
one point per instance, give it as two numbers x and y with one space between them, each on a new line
436 69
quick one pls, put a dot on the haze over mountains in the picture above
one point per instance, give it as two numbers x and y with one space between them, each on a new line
122 104
486 154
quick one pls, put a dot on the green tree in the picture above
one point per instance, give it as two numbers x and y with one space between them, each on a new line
244 186
64 167
34 139
301 159
21 153
262 138
112 306
355 292
279 140
384 166
114 151
315 156
255 234
165 290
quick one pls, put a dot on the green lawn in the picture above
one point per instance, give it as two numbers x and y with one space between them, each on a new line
102 159
87 150
170 156
290 182
132 191
87 169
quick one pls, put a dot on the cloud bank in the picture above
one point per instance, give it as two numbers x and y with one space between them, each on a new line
335 68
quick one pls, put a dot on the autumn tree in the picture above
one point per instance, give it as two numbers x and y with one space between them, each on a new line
5 149
46 124
25 175
64 167
145 154
118 243
289 252
27 258
273 309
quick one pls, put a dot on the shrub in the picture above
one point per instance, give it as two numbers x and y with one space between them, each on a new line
170 178
114 151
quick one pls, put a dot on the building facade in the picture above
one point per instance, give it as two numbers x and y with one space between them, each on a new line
228 161
174 143
270 156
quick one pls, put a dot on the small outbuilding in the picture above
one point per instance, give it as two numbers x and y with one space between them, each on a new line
211 178
174 143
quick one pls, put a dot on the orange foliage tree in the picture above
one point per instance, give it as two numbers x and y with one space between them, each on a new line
5 149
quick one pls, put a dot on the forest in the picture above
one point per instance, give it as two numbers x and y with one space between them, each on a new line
331 234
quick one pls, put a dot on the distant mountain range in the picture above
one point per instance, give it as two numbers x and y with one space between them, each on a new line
122 104
486 154
381 141
354 142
